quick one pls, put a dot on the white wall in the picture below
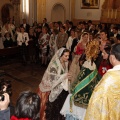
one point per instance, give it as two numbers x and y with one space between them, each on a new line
88 14
51 3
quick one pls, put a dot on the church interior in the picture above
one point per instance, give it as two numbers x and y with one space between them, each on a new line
35 13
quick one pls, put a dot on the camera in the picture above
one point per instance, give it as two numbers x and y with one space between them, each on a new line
5 87
1 97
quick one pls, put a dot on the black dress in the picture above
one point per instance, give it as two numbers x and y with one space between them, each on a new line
53 108
8 43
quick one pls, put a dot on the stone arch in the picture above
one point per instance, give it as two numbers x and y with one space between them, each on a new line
7 11
58 13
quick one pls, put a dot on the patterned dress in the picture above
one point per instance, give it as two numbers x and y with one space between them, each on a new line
44 42
52 89
52 44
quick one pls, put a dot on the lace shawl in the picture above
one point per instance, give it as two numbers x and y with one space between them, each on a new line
54 76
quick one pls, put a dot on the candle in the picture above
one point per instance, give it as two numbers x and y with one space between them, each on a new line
111 13
115 13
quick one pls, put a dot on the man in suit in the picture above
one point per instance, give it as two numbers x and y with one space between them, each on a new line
25 25
70 26
45 23
57 26
90 24
114 33
93 29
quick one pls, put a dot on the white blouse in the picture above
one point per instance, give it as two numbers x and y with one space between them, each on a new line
22 38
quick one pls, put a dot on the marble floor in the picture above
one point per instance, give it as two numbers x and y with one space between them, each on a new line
22 77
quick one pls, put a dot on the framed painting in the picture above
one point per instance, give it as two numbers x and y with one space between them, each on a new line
90 4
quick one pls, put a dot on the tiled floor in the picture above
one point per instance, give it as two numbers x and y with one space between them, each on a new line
23 77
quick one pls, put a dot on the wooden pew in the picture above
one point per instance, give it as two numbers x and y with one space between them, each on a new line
9 55
9 51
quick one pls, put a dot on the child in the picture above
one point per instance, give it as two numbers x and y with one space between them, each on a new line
105 64
8 40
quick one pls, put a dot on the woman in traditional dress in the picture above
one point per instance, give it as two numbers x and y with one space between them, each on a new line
62 38
53 88
79 50
75 42
70 41
43 43
52 42
76 103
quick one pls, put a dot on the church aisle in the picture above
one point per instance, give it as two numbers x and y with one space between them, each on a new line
22 77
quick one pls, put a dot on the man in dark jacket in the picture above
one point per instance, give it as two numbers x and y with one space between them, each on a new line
4 109
25 25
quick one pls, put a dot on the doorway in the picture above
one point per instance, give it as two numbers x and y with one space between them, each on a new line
7 12
58 13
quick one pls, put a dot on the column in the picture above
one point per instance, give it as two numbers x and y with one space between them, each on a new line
72 9
41 10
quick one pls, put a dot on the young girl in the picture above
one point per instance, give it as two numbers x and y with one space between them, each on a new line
8 40
105 64
79 50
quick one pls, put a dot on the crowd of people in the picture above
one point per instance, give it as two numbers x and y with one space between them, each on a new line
41 40
82 62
